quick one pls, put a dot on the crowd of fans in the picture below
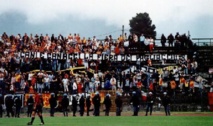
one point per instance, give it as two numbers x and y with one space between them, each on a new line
16 73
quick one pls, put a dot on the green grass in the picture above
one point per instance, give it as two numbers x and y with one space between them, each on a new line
114 121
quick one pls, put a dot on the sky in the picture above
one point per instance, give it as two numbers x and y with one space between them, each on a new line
104 17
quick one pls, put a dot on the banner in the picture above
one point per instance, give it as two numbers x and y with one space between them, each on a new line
126 57
21 96
144 96
45 96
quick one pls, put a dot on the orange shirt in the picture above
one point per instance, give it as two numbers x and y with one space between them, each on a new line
33 81
84 41
76 49
139 84
106 47
18 78
78 38
173 84
52 47
71 50
80 62
66 76
13 48
38 100
117 50
149 62
99 52
151 87
79 88
43 44
70 37
160 81
191 84
182 80
41 49
31 90
120 39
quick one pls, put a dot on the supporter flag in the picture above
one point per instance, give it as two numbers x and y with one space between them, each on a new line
144 96
45 97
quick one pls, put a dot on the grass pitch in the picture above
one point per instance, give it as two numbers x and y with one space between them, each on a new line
114 121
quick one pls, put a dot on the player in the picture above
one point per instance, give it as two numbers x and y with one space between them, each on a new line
37 108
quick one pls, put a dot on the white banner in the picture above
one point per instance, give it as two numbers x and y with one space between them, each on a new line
126 57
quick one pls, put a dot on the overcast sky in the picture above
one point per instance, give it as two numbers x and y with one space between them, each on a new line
104 17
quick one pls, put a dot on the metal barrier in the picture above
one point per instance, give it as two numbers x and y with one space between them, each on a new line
203 41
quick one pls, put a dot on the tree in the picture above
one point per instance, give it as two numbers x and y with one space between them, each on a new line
142 24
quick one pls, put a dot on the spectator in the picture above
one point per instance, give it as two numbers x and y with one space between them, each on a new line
163 40
9 106
166 103
74 87
30 103
81 105
53 104
151 44
65 104
88 104
136 103
127 84
170 40
142 39
150 102
108 104
39 79
65 82
46 82
146 43
96 101
1 106
113 83
74 105
18 105
118 103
